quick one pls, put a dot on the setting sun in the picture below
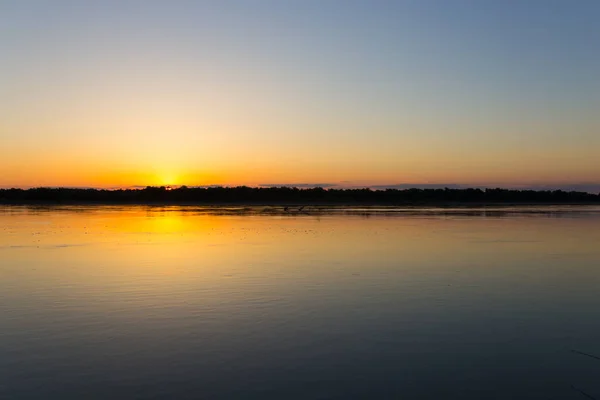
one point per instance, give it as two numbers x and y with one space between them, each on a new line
168 179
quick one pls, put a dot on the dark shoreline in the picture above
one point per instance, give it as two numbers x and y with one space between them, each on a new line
285 196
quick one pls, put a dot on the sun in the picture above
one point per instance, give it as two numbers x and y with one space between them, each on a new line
168 179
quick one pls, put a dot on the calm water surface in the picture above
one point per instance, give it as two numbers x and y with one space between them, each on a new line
188 303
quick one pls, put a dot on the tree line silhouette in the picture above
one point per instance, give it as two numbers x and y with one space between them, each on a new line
293 195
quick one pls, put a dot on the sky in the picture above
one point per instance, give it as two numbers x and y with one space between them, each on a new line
120 93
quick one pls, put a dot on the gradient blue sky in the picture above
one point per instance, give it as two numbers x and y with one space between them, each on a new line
119 93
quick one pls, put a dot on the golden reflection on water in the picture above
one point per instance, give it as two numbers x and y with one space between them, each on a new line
96 251
173 240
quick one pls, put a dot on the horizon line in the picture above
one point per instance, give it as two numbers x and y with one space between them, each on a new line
577 187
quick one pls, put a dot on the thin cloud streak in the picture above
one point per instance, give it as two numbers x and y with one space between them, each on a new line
577 187
300 185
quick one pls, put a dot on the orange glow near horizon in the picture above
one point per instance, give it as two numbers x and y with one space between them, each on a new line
73 173
224 160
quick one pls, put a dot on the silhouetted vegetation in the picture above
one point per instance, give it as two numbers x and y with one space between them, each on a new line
292 195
